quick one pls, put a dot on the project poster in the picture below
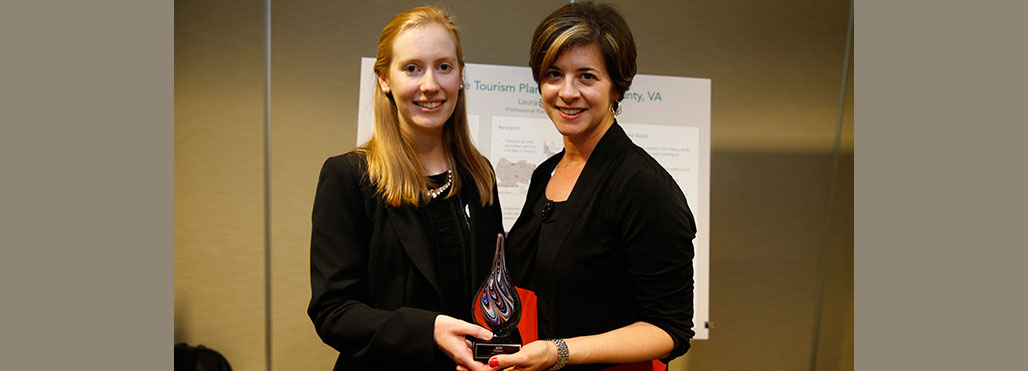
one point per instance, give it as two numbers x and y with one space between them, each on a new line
667 116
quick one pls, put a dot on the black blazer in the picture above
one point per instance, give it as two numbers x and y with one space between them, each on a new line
619 250
374 290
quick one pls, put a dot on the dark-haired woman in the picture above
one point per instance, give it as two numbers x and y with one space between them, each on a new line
605 235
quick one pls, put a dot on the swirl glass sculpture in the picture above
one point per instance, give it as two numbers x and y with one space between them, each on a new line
497 306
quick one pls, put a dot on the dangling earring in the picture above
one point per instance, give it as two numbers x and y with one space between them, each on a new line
615 108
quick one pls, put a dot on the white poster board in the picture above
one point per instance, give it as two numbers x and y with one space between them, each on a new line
667 116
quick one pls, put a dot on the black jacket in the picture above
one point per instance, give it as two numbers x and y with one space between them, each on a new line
619 251
375 294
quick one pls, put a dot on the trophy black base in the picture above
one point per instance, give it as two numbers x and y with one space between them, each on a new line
483 350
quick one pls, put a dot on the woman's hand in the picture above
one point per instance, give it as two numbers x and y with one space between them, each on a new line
537 355
449 336
638 342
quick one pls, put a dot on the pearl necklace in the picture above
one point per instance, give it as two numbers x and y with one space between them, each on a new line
433 193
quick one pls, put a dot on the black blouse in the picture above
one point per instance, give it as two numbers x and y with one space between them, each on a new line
450 233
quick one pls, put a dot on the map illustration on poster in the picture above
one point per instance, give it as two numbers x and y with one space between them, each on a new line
667 116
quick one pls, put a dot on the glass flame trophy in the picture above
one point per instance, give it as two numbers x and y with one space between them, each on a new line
497 307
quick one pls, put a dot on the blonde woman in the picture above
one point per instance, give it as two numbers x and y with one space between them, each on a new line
404 225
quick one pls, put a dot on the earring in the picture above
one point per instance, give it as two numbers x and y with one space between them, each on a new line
615 108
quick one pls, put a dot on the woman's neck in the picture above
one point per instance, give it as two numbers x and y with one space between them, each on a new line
578 149
431 151
434 162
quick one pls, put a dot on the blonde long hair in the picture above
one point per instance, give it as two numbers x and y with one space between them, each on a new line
394 167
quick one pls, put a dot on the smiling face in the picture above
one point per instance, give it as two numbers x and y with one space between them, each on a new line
576 92
423 77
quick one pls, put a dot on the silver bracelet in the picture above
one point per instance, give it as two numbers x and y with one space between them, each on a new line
562 354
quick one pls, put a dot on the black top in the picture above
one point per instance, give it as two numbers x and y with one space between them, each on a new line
618 251
450 234
549 212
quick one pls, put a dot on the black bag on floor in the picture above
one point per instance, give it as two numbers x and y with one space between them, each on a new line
199 358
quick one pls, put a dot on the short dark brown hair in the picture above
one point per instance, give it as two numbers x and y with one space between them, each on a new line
583 24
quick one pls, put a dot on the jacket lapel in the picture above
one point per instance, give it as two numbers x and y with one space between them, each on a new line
471 208
583 193
408 229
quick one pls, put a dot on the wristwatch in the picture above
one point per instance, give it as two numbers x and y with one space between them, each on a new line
562 354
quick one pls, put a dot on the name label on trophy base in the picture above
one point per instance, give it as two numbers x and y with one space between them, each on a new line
484 351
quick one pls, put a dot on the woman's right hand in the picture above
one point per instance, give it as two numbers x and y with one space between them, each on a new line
449 336
537 355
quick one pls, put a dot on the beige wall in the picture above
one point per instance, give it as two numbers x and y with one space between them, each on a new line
219 211
776 72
